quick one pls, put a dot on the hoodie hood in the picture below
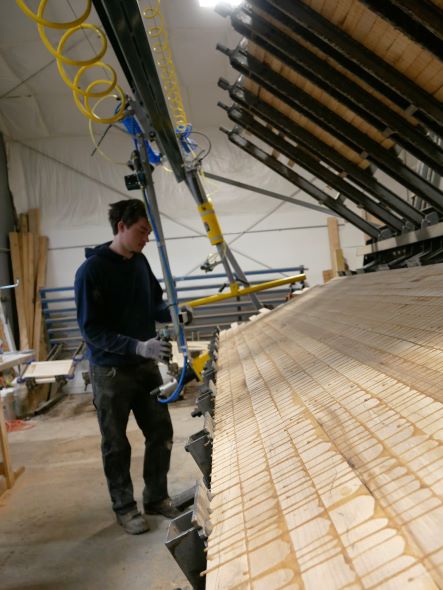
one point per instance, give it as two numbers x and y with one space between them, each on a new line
105 251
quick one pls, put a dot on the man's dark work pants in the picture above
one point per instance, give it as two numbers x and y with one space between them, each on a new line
117 391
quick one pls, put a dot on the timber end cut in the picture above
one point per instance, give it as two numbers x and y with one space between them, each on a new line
327 464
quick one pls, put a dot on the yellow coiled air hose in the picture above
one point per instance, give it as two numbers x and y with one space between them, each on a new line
165 64
82 97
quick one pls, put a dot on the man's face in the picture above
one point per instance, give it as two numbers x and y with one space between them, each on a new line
135 237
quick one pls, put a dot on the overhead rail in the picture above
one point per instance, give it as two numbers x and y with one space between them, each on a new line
125 30
123 24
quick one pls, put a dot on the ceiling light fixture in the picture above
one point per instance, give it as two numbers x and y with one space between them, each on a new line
213 3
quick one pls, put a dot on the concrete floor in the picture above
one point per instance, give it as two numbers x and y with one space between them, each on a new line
57 530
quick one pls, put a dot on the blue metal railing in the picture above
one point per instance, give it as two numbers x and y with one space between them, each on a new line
61 322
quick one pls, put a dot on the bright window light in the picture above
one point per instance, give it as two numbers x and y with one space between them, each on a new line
212 3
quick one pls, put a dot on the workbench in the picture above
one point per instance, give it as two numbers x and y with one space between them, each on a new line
15 359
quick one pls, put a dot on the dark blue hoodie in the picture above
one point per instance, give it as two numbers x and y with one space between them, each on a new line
118 302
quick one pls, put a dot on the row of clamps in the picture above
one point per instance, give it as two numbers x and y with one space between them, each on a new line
188 533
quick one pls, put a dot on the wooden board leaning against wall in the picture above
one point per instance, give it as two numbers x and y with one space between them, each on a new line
29 252
338 262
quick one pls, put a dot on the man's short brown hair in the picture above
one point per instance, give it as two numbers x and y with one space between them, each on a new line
129 211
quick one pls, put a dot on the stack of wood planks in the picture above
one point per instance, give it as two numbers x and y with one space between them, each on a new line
29 257
328 458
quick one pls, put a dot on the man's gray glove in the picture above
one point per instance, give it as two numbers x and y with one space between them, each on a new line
185 316
158 350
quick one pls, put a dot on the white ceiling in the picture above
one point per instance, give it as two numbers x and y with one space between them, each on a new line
34 101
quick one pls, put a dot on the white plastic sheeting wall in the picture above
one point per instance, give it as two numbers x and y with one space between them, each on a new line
73 191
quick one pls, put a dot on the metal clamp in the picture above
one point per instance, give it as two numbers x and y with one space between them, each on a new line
187 535
200 447
205 401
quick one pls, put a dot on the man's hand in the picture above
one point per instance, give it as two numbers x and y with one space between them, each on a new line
185 316
158 350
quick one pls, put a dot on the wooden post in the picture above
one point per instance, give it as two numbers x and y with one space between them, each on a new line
6 466
19 291
40 283
23 222
327 275
337 258
34 228
30 285
23 246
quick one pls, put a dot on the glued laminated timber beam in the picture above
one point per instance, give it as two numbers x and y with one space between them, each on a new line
327 452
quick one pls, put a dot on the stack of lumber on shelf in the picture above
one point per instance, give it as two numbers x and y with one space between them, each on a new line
327 458
28 256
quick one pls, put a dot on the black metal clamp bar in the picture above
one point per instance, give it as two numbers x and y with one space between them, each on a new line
321 27
302 102
308 162
409 23
323 151
319 195
428 13
124 28
349 93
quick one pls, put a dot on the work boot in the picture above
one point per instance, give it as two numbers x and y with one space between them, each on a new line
164 507
133 522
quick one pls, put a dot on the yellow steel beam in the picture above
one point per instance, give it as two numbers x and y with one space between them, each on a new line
235 292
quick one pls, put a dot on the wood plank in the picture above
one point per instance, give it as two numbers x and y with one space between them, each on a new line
23 244
19 291
327 275
39 328
384 40
34 229
328 443
334 245
23 223
6 465
14 359
30 285
48 369
3 337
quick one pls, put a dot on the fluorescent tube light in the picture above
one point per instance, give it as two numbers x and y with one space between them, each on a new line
212 3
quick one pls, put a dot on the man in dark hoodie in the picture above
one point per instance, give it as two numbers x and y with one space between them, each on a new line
118 302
